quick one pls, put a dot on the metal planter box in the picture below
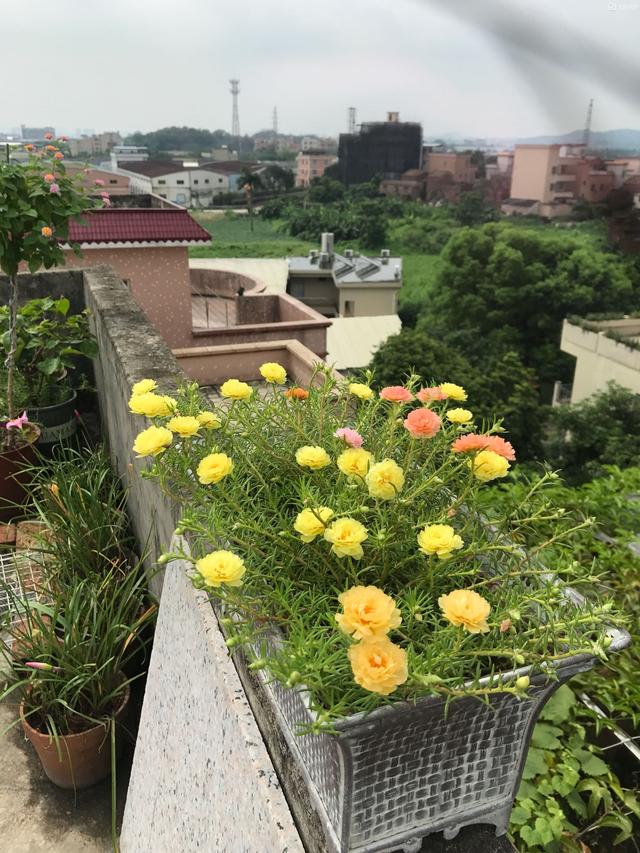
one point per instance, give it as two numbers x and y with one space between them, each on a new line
404 771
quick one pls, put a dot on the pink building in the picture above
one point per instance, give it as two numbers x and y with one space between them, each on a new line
312 164
114 183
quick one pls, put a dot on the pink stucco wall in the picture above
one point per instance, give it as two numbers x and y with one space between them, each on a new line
160 283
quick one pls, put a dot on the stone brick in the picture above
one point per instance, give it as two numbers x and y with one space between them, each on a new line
7 534
29 535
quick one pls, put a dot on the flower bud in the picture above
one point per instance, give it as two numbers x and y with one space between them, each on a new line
231 642
293 679
163 559
522 683
519 659
258 664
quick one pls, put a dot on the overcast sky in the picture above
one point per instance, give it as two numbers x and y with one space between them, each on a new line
474 67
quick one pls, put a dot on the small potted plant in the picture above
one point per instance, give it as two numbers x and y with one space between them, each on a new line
37 202
49 343
401 633
67 657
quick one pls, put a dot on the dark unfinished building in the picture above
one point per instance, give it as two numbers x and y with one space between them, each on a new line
385 149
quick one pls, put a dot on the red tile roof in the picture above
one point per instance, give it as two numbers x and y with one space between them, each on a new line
129 225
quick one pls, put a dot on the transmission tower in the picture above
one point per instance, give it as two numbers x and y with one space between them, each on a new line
275 121
352 119
235 119
586 136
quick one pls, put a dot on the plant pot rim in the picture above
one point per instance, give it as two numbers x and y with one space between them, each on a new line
116 713
72 396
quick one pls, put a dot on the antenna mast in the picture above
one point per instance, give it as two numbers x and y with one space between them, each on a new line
235 119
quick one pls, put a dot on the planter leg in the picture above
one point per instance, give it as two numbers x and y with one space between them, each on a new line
413 845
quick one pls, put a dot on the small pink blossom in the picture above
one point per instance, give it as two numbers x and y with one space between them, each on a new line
349 436
87 171
427 395
44 667
105 194
17 423
64 139
48 136
396 394
505 625
54 188
99 182
106 202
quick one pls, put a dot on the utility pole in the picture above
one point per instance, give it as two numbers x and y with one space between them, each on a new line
235 118
586 136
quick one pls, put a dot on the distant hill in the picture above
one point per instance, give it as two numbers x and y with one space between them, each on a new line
624 138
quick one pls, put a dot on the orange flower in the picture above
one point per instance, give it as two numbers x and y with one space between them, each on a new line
59 155
49 178
422 423
296 394
46 231
427 395
471 442
28 147
51 148
396 394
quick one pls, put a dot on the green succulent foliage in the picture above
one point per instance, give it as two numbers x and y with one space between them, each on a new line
567 791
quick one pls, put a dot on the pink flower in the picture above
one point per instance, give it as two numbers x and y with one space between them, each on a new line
422 423
64 139
470 443
17 423
505 625
99 182
106 202
349 436
426 395
44 667
54 188
105 194
48 136
396 394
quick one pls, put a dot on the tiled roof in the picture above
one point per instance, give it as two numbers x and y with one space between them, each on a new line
157 168
136 225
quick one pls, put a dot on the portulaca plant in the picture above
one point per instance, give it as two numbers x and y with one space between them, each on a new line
345 521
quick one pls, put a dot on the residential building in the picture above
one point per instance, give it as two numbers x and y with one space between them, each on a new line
412 184
97 143
605 350
35 134
386 149
128 154
311 163
148 247
624 168
114 183
547 180
453 163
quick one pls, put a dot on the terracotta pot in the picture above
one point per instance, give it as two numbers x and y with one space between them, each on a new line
14 479
75 761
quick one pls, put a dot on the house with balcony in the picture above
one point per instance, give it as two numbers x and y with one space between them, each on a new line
605 351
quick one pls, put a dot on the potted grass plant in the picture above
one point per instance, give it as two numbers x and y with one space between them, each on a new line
67 657
405 643
37 201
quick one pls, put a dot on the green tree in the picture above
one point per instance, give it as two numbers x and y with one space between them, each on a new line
472 209
506 288
599 431
325 190
277 179
249 181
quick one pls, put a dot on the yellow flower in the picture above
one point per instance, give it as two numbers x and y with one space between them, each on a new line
209 420
464 607
143 387
459 416
368 612
273 372
312 522
221 567
151 405
453 392
378 665
385 479
184 425
345 535
236 390
359 389
312 457
439 539
488 465
214 468
152 441
354 462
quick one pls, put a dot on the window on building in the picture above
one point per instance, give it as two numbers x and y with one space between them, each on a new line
593 187
113 180
162 181
206 180
551 187
349 307
196 181
553 170
219 180
179 182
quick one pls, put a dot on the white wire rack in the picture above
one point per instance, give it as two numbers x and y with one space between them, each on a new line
19 579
